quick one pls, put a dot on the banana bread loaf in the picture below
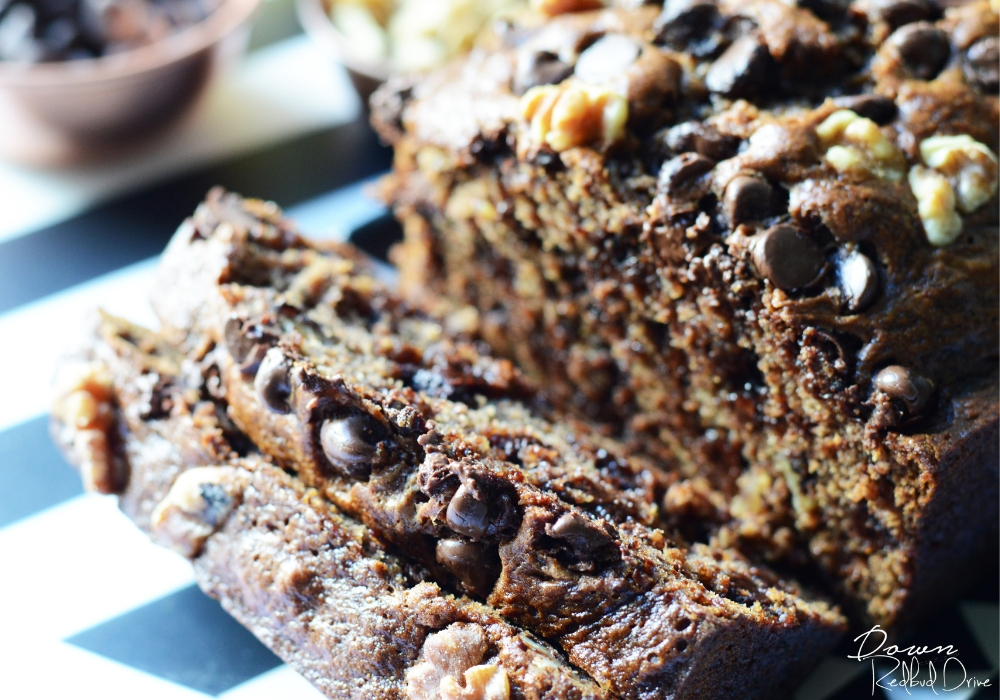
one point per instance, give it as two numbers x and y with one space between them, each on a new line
755 240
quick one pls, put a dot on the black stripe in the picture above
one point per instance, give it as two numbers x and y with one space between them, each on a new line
185 637
33 475
139 225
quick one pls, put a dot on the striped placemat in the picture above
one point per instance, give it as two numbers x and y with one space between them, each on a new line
90 608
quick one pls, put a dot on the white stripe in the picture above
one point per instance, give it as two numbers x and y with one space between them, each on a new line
281 91
37 335
78 564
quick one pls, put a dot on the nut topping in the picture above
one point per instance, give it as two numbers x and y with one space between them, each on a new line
787 257
574 114
856 144
85 410
970 166
272 381
196 506
453 653
935 205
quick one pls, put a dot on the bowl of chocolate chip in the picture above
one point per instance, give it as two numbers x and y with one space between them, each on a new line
108 69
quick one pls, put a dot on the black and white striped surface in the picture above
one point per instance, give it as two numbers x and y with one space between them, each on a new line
88 606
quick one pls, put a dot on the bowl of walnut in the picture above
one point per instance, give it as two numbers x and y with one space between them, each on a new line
374 39
105 69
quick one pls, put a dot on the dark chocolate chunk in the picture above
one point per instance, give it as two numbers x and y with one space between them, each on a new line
350 443
683 170
272 381
470 563
787 257
539 68
683 21
826 10
218 503
468 513
923 48
905 385
747 198
703 139
879 108
590 542
982 64
606 59
896 13
742 70
858 279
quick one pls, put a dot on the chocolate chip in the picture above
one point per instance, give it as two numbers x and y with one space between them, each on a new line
703 139
350 443
539 68
683 21
607 58
878 108
747 198
858 280
742 70
826 10
683 170
896 13
468 512
590 542
900 383
923 48
470 563
787 257
272 381
982 64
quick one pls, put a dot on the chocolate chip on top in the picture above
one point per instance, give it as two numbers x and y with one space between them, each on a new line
743 70
350 443
982 64
747 198
475 568
608 58
273 382
858 279
923 48
903 384
468 513
684 170
787 257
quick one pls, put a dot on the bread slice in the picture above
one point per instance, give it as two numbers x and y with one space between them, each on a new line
314 585
435 446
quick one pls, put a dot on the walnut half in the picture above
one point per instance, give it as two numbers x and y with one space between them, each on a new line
452 668
573 113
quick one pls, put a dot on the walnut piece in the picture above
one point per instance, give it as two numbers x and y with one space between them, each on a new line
856 144
935 205
452 668
573 114
969 166
84 408
196 506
